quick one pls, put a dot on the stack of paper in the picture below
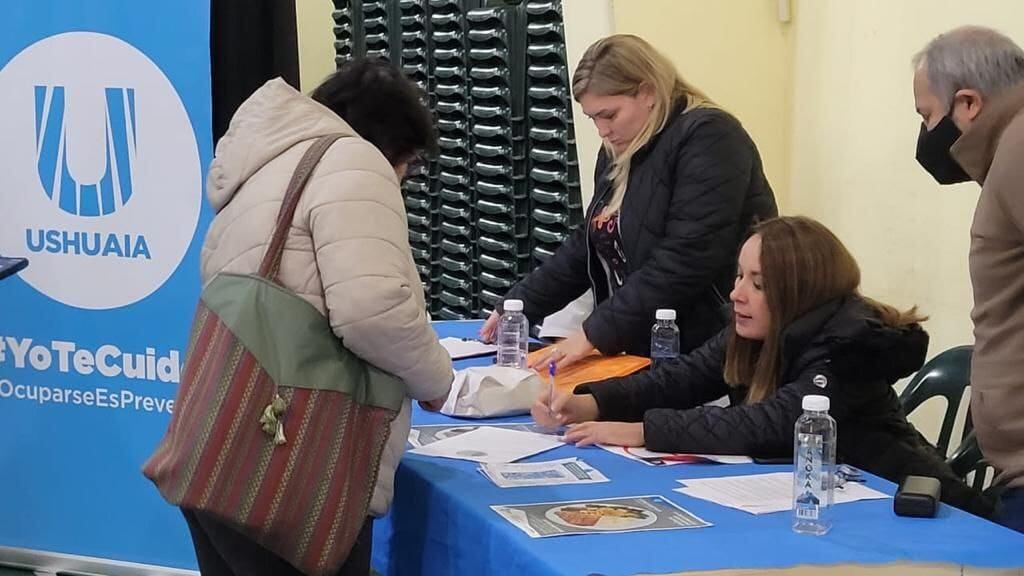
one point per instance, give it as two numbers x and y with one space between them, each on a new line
491 444
652 458
764 493
564 471
465 348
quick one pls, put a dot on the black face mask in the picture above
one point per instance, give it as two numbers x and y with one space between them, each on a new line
933 152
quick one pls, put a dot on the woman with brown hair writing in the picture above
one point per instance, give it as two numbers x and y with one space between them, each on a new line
800 326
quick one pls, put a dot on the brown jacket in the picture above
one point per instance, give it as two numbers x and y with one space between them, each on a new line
991 151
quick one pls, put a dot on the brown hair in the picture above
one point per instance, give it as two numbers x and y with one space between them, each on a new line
803 265
618 66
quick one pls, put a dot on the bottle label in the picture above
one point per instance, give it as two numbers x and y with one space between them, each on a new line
809 490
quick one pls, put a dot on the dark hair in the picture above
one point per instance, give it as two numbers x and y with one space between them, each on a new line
803 265
382 105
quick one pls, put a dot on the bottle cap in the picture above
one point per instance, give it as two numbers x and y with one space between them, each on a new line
665 314
816 403
513 305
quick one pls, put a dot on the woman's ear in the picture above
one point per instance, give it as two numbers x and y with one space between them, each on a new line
645 94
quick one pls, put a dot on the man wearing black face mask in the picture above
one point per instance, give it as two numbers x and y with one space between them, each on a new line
933 150
969 90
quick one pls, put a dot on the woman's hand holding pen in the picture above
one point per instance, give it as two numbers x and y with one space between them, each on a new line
580 411
555 410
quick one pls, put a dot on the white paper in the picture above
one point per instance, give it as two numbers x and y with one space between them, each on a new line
764 493
552 473
458 348
491 444
652 458
569 320
425 434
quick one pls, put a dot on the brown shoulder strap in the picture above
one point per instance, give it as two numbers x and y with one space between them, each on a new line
272 258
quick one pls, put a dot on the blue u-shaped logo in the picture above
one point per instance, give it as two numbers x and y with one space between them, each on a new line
114 188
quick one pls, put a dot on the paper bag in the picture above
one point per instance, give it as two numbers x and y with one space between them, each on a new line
492 391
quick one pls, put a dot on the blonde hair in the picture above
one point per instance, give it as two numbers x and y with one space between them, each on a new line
618 66
803 265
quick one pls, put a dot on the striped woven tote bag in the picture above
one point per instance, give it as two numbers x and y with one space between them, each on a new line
278 429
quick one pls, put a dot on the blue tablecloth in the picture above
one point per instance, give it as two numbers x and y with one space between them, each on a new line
441 523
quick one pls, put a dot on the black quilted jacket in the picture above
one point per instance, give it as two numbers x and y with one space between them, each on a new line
693 193
840 350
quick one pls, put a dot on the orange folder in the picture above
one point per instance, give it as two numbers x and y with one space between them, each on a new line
592 368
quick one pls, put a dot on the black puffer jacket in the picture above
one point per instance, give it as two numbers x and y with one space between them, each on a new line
693 193
840 350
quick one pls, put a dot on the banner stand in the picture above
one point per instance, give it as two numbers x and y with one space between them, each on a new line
105 146
54 562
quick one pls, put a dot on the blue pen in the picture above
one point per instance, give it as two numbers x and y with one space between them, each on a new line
551 390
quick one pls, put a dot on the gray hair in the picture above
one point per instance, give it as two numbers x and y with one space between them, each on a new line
971 57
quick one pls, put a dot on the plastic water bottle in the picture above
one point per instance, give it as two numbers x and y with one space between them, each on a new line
664 337
814 457
513 335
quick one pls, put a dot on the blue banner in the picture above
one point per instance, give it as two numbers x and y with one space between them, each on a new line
104 145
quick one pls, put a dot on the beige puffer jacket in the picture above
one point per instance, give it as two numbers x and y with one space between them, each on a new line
348 251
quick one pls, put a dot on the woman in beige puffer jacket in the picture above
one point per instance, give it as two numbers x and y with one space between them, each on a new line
347 253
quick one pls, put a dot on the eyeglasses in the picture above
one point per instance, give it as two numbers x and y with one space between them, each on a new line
844 474
415 166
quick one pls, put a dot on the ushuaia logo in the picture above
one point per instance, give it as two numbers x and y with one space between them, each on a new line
103 176
111 192
114 188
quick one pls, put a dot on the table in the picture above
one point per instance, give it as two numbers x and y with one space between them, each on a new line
441 523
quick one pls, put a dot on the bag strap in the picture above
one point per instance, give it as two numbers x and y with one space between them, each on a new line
271 263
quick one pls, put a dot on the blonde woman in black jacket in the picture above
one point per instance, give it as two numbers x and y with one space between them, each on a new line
678 184
799 327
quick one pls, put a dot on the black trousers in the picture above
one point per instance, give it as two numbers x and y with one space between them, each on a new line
222 551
